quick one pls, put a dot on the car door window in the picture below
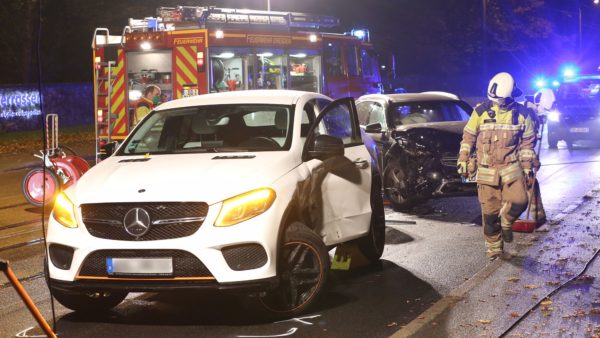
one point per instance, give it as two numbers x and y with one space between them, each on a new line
338 121
363 109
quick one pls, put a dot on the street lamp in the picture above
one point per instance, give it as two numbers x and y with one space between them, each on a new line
580 35
269 5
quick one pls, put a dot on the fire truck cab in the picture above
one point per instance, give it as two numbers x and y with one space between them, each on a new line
188 51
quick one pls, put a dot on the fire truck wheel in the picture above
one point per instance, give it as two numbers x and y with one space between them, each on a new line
303 265
39 186
90 302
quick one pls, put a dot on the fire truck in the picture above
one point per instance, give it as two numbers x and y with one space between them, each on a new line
188 50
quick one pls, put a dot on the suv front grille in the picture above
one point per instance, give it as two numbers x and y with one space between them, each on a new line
168 220
184 263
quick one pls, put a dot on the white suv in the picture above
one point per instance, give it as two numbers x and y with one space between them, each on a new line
242 191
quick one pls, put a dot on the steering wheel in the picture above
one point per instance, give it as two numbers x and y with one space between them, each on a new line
260 142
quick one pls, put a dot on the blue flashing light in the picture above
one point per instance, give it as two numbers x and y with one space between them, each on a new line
555 84
540 83
569 71
359 33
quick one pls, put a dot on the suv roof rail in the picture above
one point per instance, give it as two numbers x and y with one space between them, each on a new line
450 95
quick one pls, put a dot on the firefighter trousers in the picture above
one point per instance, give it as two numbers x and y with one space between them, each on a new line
500 206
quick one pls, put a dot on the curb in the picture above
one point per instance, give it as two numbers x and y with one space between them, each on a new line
458 294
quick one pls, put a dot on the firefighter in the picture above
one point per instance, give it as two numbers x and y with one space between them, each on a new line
501 133
149 100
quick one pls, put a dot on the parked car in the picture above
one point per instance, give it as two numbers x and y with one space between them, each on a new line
418 135
577 114
239 191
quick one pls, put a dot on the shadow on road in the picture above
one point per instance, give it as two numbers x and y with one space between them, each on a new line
369 302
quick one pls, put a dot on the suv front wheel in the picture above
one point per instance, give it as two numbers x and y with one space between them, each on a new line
395 178
303 265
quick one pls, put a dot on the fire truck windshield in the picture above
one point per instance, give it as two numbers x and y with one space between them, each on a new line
219 128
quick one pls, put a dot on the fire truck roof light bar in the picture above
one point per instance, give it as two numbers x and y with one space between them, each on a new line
186 17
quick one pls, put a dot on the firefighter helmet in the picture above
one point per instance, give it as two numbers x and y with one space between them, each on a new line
502 86
544 99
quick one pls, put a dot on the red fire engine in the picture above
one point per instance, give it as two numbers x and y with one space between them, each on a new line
196 50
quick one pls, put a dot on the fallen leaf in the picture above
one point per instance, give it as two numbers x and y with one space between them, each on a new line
392 324
553 283
531 286
514 315
546 302
595 311
485 321
514 279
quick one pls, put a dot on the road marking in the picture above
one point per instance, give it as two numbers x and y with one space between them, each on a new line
24 334
288 333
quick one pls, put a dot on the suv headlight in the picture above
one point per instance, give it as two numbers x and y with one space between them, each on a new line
245 206
64 211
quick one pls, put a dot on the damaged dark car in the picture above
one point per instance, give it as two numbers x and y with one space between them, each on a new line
418 136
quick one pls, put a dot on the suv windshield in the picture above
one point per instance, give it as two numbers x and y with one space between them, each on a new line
217 128
430 111
581 89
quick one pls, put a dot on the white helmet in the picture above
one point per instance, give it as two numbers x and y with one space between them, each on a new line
502 86
544 99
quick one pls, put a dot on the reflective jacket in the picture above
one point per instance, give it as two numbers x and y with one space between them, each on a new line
503 140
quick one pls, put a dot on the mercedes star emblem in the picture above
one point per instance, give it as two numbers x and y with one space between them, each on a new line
137 222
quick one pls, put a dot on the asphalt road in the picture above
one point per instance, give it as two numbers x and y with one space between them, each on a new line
429 252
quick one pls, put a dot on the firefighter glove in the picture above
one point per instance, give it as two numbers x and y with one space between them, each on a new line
461 168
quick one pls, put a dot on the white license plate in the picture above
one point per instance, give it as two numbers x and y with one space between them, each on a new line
139 266
470 179
579 130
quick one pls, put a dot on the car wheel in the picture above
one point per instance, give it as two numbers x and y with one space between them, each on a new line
39 186
552 143
303 265
92 302
396 185
371 246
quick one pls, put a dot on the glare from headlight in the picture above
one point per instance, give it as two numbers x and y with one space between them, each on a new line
554 116
245 206
64 211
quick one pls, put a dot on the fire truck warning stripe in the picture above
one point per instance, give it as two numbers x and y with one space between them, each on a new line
184 75
187 53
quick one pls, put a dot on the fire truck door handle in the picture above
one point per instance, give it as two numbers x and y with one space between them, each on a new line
361 164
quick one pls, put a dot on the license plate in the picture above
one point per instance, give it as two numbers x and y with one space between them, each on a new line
470 179
579 130
139 266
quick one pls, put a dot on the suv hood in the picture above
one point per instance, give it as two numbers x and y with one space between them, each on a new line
180 177
452 126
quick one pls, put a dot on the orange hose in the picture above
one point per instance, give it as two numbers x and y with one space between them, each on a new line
28 302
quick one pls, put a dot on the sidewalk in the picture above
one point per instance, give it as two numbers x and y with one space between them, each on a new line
489 303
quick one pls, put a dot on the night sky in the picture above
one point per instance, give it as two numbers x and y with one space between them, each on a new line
438 44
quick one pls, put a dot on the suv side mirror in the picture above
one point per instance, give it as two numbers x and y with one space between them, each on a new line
326 146
374 128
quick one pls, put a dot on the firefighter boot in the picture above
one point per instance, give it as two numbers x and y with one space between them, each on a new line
492 235
507 233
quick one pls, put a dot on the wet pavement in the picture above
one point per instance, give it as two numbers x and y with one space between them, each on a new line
433 256
538 264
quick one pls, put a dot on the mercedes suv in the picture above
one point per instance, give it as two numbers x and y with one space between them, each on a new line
241 191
